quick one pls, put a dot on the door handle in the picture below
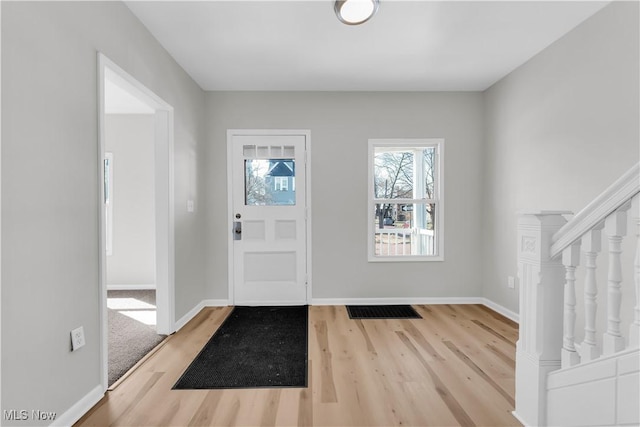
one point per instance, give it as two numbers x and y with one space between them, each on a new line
237 230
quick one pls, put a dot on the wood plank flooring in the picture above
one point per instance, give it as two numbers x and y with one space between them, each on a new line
453 367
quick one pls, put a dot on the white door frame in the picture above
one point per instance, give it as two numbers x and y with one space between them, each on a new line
230 213
164 190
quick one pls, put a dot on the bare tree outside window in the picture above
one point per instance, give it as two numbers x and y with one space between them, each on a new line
255 182
393 179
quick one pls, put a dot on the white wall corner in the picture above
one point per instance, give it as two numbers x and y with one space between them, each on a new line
80 408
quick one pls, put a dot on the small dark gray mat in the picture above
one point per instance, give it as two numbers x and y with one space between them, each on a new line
382 312
255 347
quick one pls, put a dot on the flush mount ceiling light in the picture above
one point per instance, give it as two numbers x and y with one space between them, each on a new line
355 12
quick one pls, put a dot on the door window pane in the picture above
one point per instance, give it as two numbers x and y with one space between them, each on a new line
270 182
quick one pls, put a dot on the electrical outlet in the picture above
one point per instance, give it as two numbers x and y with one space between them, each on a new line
511 282
77 338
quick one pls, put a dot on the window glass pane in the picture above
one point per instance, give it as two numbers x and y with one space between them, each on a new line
393 173
402 230
404 173
429 156
269 182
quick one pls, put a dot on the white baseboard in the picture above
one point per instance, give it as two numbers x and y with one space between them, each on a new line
501 309
517 417
132 287
396 300
419 300
195 310
81 407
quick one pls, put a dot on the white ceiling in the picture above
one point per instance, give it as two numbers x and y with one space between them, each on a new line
407 46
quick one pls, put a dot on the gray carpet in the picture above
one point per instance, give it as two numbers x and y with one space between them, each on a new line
129 340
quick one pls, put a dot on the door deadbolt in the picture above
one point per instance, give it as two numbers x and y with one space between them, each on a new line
237 230
238 216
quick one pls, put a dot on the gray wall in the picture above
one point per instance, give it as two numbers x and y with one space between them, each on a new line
559 130
130 138
340 125
50 188
506 150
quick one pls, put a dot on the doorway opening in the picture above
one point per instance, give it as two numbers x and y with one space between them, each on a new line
136 219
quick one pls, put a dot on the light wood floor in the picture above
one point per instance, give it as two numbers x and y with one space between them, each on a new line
453 367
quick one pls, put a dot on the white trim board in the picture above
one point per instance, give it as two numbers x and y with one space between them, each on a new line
81 407
198 307
420 300
501 310
132 287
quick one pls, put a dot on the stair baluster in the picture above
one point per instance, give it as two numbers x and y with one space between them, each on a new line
571 260
616 229
591 245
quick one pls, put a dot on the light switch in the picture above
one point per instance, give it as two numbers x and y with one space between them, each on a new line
190 206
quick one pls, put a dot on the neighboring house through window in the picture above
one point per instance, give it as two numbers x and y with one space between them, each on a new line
405 200
270 182
281 183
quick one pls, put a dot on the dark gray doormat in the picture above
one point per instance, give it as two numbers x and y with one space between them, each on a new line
255 347
382 312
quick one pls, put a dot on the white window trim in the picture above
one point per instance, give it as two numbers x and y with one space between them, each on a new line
439 178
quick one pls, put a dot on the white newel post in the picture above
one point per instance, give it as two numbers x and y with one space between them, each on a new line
541 311
615 227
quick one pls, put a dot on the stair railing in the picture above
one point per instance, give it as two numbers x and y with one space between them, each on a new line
549 250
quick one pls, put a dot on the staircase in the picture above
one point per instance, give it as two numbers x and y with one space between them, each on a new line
594 380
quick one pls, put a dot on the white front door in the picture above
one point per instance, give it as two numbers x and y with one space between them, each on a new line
268 217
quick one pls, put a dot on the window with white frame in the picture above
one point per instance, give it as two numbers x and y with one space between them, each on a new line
281 183
405 200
